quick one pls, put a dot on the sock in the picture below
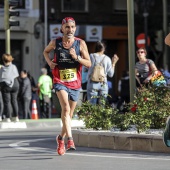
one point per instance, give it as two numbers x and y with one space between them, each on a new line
60 137
70 138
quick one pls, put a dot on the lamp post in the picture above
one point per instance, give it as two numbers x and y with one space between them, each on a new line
7 28
165 32
145 4
45 23
131 47
145 15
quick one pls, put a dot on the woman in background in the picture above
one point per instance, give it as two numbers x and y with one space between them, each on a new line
144 68
9 88
95 89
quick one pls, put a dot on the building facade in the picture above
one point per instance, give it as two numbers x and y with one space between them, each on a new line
40 21
25 39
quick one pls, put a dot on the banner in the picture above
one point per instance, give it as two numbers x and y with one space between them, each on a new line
93 33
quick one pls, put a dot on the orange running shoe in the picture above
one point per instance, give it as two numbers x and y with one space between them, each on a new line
61 146
70 145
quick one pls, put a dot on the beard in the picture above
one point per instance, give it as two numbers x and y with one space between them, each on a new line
70 36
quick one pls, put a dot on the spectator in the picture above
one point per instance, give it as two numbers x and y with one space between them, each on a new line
1 106
144 68
34 89
124 90
9 88
95 89
110 92
166 75
84 82
45 86
25 94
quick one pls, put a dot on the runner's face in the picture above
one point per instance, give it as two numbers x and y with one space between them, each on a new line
69 29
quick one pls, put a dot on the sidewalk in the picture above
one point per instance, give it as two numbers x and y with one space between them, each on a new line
40 123
98 139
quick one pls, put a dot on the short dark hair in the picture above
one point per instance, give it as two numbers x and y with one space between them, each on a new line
24 71
100 46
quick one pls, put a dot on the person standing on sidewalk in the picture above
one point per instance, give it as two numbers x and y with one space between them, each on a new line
25 94
45 87
100 88
1 106
9 87
70 53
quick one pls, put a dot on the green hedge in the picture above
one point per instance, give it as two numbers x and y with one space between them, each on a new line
149 110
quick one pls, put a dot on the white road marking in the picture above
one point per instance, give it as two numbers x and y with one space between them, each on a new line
26 143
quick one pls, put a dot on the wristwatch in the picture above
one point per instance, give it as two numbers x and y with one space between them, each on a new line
78 58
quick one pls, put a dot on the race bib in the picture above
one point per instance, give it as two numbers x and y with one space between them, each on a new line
68 75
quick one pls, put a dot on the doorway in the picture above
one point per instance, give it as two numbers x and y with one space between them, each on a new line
16 52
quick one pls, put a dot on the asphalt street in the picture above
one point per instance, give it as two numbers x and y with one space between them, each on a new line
35 149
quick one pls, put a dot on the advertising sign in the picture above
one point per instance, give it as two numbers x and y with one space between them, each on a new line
93 33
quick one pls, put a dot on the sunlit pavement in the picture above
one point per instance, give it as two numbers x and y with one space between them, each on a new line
98 139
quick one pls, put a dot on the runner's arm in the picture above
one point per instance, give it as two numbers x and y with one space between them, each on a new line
167 39
51 46
84 54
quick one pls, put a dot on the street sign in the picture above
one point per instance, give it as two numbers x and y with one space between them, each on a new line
140 40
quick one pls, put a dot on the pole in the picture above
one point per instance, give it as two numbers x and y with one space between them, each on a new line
7 28
45 23
145 14
131 47
165 32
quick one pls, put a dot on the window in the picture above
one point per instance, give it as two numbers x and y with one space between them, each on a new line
120 6
168 7
1 3
21 4
74 6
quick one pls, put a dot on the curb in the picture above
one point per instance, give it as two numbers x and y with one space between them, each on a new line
117 141
98 139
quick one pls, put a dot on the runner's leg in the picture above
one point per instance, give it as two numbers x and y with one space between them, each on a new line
65 113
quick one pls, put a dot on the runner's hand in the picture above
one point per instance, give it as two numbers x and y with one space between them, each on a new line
52 64
73 53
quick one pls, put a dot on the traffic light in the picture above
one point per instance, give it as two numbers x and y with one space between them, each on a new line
10 13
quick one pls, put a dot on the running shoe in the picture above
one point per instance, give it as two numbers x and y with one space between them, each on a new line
70 145
166 134
61 146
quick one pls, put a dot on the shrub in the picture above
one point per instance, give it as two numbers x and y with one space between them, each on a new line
150 108
100 116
